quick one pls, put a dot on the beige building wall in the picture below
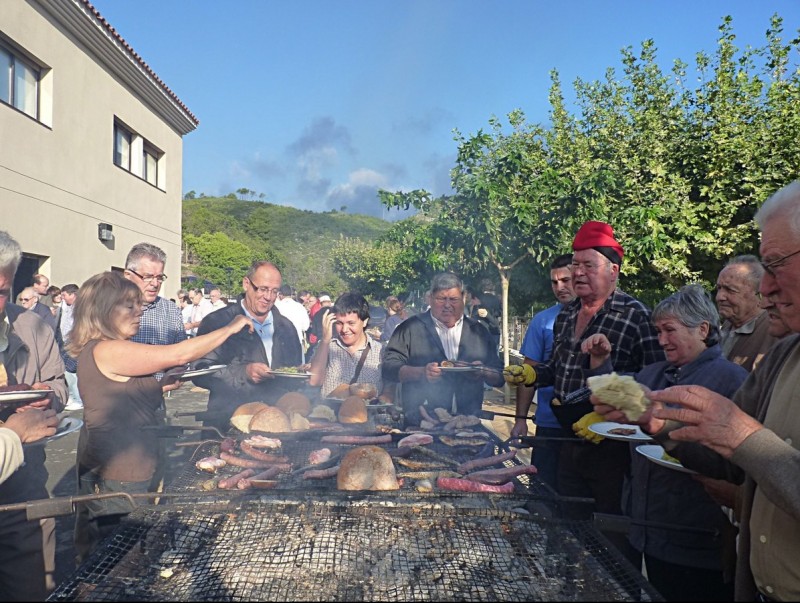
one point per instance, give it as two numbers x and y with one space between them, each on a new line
58 180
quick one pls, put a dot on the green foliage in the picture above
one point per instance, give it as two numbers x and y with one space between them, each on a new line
214 253
298 241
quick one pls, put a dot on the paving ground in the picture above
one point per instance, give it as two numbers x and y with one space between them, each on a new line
61 456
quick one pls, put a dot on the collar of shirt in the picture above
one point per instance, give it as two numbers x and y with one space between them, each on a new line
257 323
449 336
5 326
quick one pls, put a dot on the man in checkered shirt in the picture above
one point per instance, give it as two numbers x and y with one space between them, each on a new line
161 322
589 470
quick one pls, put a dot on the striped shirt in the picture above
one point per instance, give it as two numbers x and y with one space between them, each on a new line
624 320
342 366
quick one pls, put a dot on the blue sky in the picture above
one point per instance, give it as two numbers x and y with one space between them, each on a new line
318 103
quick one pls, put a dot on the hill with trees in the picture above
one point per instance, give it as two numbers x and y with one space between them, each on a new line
222 236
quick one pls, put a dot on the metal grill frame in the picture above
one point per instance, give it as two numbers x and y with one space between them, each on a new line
500 550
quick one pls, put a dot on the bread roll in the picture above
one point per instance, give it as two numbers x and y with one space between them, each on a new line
353 410
270 420
320 411
298 422
243 415
294 402
367 391
621 392
340 391
367 468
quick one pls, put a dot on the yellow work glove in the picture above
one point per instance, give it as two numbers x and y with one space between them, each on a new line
519 374
581 427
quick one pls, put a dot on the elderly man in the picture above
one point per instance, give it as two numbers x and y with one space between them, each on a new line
30 300
585 469
29 355
421 343
250 357
215 297
161 322
200 308
755 437
537 346
69 295
745 326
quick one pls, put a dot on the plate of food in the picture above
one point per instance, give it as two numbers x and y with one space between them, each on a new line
448 366
659 456
292 371
620 431
66 426
15 396
200 372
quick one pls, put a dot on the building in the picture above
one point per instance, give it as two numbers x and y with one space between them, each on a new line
91 144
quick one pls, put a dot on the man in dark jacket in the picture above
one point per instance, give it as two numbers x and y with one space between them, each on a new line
250 357
420 343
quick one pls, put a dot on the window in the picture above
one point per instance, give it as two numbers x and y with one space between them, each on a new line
19 83
135 154
122 147
150 166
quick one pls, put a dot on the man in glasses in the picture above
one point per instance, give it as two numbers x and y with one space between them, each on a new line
421 343
250 357
161 323
744 334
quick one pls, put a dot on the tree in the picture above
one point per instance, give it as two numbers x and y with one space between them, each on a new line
216 252
190 195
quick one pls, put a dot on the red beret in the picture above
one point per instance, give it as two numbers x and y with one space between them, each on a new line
596 234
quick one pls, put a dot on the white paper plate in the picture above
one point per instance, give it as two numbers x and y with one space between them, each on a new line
604 429
66 426
23 396
200 372
655 453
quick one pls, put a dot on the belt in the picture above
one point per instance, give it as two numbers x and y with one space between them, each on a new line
762 598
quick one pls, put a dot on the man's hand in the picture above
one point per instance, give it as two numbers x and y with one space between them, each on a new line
257 372
720 491
708 418
581 427
520 429
598 347
32 425
42 404
433 372
168 387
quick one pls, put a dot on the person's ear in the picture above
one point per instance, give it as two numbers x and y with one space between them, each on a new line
366 321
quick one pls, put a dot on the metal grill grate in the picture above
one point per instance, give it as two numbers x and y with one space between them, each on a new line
283 550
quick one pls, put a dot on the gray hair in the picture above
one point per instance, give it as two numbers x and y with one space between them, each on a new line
752 266
144 250
10 254
251 272
446 280
691 305
785 201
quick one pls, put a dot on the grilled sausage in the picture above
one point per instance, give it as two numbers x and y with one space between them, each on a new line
499 476
321 473
238 461
465 485
231 482
257 454
247 482
497 459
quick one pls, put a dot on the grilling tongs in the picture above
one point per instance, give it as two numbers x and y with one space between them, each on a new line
174 431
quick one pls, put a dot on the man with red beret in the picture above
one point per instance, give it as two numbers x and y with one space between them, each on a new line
593 470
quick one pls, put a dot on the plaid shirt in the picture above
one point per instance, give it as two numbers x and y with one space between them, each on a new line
342 366
623 319
161 324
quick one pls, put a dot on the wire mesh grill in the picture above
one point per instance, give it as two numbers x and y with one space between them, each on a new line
303 550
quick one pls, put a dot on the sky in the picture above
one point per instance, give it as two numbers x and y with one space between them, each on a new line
317 104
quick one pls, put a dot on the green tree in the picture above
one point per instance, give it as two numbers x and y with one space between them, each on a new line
215 253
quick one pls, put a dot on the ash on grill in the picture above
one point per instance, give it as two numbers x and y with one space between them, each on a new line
284 550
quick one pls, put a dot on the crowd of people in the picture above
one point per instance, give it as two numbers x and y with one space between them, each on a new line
721 375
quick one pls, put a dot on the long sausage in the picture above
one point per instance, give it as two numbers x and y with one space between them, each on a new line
238 461
321 473
465 485
497 459
231 482
269 474
498 476
356 439
267 457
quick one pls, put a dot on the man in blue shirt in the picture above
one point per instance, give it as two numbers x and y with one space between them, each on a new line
537 347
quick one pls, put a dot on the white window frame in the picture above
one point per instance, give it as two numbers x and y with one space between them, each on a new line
144 159
13 78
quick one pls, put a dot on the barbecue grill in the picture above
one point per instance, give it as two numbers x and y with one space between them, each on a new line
306 540
275 549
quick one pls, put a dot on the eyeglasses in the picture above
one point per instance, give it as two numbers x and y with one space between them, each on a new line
444 300
770 267
149 278
25 299
588 266
263 290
